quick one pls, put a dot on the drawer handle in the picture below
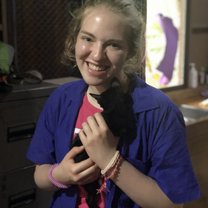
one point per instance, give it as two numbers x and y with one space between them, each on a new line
22 199
20 132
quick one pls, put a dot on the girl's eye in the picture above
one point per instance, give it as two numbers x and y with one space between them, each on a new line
87 39
114 46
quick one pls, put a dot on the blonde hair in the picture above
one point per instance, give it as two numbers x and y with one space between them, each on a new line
128 9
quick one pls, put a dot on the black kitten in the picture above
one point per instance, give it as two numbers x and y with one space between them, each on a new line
117 113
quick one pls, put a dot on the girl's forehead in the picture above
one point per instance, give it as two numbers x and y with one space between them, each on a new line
101 9
102 14
104 21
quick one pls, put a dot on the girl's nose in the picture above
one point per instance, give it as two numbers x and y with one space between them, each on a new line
98 52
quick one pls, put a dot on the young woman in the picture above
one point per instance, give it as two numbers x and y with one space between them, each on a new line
151 169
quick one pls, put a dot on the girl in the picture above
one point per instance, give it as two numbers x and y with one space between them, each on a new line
151 169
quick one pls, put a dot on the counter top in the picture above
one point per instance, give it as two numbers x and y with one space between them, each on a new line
29 91
189 102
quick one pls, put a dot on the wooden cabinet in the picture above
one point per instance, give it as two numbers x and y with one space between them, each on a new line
198 147
19 111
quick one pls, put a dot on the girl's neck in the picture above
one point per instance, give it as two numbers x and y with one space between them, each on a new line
124 81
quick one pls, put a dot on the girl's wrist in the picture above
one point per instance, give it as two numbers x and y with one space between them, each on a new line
113 167
55 182
112 170
110 163
105 160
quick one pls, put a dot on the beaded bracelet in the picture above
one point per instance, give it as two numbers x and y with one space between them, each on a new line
111 163
53 180
111 171
114 171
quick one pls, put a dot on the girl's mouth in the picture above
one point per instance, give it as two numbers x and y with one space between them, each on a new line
96 68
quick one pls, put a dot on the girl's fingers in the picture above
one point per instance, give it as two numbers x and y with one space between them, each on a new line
90 126
100 120
94 124
83 165
89 175
86 128
91 120
82 137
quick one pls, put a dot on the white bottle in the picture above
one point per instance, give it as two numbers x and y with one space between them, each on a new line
193 76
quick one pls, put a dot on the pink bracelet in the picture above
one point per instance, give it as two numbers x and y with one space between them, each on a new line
53 180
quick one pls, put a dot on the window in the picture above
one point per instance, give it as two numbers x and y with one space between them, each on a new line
166 43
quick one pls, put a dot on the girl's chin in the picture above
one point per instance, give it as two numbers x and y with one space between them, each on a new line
96 78
93 81
97 82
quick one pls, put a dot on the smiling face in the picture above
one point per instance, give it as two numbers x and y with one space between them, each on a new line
101 48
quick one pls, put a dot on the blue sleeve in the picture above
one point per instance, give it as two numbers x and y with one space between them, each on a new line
41 149
171 165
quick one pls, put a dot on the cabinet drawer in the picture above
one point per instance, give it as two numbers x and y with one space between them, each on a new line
18 190
17 124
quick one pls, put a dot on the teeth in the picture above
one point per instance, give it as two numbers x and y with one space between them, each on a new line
95 67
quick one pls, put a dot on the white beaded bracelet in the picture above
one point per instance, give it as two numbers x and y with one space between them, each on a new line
53 180
111 163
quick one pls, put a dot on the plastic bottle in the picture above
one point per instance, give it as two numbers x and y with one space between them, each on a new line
193 76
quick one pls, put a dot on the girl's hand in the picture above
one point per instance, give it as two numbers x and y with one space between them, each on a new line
98 140
68 172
